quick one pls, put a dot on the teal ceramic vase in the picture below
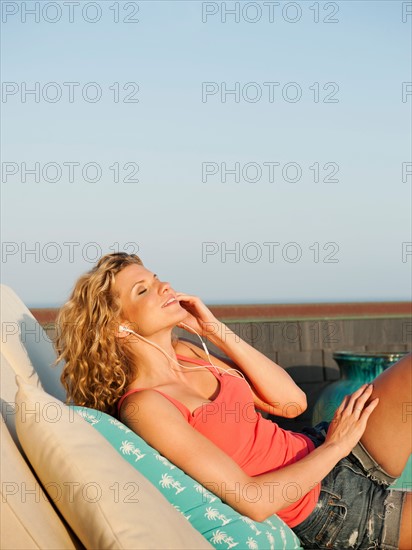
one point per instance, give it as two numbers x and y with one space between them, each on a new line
357 368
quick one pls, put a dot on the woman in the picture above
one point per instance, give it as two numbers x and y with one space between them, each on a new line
115 335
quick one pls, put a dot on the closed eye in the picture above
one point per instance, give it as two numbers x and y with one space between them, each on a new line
145 289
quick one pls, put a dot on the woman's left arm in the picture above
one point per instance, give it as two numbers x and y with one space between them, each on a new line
274 390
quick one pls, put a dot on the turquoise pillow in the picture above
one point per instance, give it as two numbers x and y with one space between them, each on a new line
220 524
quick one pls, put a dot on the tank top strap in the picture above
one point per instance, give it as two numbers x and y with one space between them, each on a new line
182 408
196 360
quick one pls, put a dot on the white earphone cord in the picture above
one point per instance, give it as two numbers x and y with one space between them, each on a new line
217 368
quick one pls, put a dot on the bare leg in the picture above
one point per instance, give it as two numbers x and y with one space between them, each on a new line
405 541
388 435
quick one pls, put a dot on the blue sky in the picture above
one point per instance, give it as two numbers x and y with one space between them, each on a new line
314 206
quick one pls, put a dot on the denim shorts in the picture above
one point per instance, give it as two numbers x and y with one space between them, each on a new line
355 507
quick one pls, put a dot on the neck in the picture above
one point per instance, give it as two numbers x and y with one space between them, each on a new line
151 363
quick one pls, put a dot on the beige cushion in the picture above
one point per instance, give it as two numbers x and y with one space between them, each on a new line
8 388
105 500
27 519
26 346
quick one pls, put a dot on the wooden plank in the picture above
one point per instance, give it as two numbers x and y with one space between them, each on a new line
394 348
326 334
312 361
378 332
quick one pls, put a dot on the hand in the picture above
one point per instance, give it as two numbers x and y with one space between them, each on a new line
199 317
350 419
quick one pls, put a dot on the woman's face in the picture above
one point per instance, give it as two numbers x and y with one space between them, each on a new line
148 304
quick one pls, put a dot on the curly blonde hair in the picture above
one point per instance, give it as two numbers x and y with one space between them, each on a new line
98 365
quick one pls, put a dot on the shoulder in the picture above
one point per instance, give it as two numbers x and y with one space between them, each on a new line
143 406
151 416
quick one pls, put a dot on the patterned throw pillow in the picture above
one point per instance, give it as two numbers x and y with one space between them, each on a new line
220 524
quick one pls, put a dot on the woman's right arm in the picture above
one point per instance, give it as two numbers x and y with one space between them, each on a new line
161 424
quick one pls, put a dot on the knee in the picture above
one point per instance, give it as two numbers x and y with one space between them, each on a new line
405 363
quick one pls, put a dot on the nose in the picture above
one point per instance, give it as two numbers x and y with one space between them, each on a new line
164 286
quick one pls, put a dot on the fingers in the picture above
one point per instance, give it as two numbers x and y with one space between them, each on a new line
343 405
356 401
359 398
354 404
368 410
351 417
182 295
190 302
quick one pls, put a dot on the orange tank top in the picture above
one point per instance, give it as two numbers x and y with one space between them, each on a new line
257 444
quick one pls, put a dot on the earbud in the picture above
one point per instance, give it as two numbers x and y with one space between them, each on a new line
125 329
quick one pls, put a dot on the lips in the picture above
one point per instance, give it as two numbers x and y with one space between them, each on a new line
171 300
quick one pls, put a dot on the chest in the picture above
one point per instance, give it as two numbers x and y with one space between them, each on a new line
195 389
